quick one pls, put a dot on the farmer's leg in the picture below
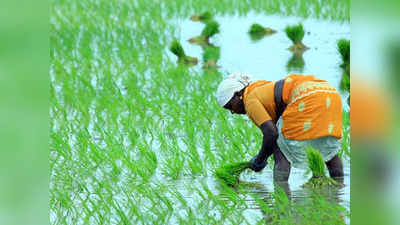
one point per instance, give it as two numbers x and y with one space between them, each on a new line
281 166
335 167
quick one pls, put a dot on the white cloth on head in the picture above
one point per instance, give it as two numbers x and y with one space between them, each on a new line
231 84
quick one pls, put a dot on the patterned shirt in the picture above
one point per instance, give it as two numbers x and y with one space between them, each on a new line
314 108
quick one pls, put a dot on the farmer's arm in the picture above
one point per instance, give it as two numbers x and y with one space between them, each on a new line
257 113
270 134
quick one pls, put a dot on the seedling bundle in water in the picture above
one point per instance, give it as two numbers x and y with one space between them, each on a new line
343 46
211 56
296 34
257 31
230 173
177 49
204 17
317 167
209 30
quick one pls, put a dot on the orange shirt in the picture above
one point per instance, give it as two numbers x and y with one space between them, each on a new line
314 108
259 101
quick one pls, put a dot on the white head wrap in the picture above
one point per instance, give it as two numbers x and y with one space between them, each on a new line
231 84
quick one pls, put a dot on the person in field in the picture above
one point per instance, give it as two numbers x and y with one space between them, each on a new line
293 113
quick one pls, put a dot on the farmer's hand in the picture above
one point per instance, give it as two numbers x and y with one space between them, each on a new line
256 167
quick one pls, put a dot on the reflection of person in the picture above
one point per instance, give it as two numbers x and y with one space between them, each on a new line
293 113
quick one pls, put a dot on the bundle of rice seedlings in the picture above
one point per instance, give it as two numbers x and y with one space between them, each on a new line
345 82
257 31
211 56
199 40
317 167
211 53
343 47
203 17
209 30
191 61
230 173
256 28
295 34
176 49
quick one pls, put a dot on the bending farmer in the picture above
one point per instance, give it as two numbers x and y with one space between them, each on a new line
293 113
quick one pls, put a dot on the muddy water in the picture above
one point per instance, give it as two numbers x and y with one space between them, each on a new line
268 59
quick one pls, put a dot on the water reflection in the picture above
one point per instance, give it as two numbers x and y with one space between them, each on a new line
211 55
294 189
257 32
284 203
295 64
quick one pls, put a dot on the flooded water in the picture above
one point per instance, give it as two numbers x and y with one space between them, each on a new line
294 189
143 143
269 59
265 188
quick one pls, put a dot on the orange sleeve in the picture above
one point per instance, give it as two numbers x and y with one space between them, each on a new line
256 111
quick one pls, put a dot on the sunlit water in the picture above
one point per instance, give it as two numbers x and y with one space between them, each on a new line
267 59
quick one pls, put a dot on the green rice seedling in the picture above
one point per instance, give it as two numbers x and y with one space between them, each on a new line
345 82
203 17
110 160
317 166
343 47
195 163
177 49
181 199
281 210
256 28
211 53
191 61
315 162
295 34
210 57
345 150
210 157
173 165
229 173
199 40
211 28
257 32
226 192
148 158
